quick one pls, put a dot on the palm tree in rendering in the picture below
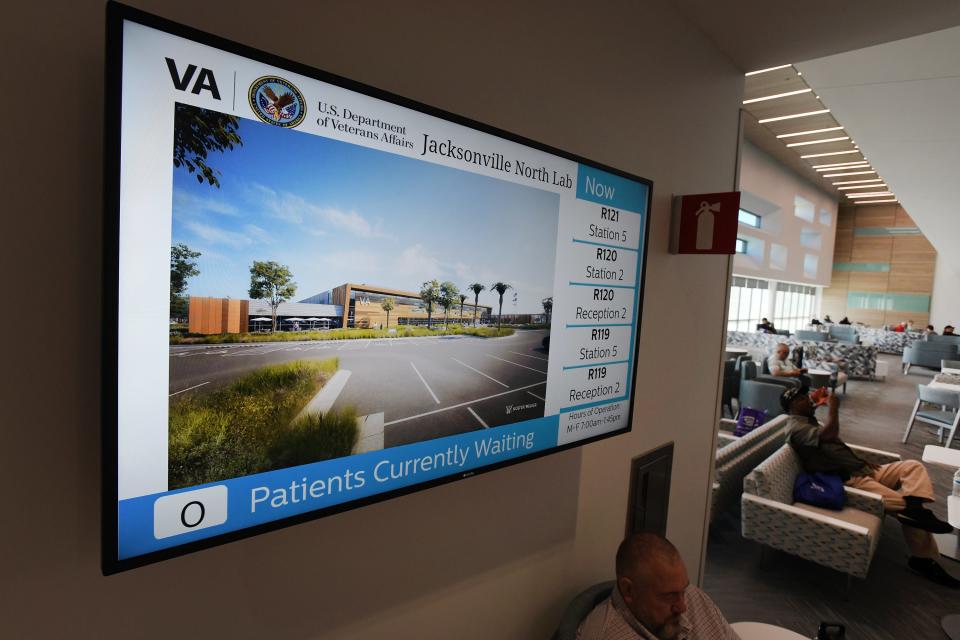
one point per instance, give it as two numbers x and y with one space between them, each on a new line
430 294
500 288
476 287
463 297
387 305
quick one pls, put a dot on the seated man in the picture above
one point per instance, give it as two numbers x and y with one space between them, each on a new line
905 485
780 364
653 599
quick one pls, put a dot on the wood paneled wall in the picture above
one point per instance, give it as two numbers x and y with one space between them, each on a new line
878 254
218 315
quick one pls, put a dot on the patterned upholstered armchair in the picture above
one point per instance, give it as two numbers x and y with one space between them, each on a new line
843 540
737 457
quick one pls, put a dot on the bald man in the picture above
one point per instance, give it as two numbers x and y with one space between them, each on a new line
653 599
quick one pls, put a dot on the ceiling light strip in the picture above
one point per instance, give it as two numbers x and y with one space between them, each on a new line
823 141
855 165
753 73
806 133
875 201
858 181
795 115
830 153
850 173
876 194
777 95
838 164
863 186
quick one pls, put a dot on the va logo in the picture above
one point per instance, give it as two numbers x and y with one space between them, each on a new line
276 101
204 80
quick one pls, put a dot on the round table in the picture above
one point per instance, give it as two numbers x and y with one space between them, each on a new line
819 377
762 631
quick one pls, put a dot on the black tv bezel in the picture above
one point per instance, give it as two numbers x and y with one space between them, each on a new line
116 14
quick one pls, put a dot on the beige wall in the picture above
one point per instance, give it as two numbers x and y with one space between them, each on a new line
769 189
496 556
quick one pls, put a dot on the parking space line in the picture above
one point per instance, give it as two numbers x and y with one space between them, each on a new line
463 404
536 396
188 389
479 419
515 363
526 355
419 375
481 373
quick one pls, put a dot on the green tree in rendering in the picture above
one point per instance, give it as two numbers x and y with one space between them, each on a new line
463 298
182 268
197 132
388 306
449 294
547 307
272 282
500 288
430 295
476 287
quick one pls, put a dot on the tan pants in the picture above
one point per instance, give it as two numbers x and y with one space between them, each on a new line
894 481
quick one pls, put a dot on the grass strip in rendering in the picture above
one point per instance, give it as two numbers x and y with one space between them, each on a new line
246 428
340 334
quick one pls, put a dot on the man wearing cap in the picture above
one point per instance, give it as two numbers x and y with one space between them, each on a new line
904 485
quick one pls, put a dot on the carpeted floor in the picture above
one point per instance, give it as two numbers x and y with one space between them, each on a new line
892 603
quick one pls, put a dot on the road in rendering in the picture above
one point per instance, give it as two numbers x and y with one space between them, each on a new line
425 387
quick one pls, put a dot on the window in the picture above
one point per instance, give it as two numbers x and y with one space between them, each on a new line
793 306
741 245
750 219
749 298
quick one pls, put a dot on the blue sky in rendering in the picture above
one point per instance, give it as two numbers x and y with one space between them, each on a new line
336 212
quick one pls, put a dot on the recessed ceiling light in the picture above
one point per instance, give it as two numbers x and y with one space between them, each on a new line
874 194
858 181
837 165
753 73
831 153
873 185
851 173
821 141
804 133
778 95
795 115
875 201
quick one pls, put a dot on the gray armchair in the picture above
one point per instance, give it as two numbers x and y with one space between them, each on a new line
761 395
580 607
737 457
748 371
843 540
810 336
844 333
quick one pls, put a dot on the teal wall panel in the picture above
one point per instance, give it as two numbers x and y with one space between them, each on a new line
916 302
886 231
862 266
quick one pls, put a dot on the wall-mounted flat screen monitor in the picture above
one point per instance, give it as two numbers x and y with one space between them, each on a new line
319 295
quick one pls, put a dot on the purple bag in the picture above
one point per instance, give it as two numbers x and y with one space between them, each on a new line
819 489
748 420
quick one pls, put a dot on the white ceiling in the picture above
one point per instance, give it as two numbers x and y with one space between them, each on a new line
900 101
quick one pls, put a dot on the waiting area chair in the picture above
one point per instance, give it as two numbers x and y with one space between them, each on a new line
843 540
580 607
737 457
946 415
928 354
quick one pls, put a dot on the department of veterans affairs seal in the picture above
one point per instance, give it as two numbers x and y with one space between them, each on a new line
277 101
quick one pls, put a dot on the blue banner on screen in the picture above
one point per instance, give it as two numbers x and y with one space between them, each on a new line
155 522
